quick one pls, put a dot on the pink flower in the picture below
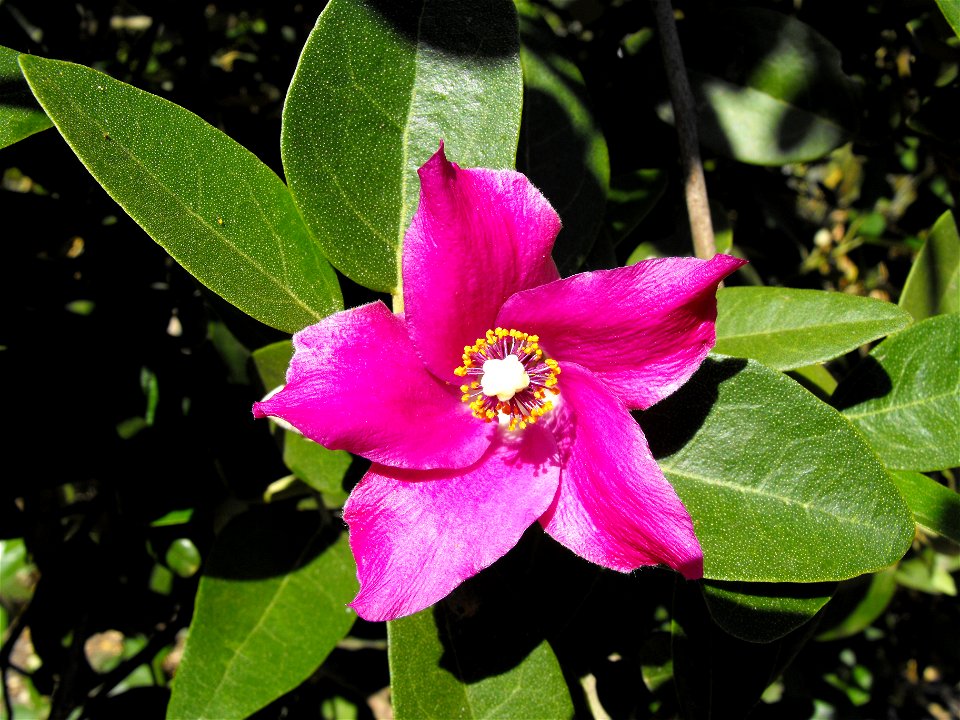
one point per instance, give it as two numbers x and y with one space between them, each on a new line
501 396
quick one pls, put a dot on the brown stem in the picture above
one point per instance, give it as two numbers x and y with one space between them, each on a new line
695 186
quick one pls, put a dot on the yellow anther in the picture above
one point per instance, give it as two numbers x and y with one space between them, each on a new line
464 388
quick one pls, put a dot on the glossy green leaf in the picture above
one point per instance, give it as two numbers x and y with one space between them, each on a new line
858 605
219 211
270 608
379 84
779 485
770 89
20 116
934 506
563 149
905 396
933 285
951 11
787 328
764 612
429 678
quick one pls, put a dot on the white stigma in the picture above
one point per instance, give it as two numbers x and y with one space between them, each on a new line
504 378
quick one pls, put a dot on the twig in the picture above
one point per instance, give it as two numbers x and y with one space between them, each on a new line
695 187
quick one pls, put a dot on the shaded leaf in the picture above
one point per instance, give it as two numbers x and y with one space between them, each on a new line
564 152
929 572
20 115
423 688
318 467
769 89
934 506
631 197
779 485
270 608
933 285
379 84
787 328
764 612
876 593
219 211
905 396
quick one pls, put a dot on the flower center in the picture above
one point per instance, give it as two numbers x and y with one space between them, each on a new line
508 377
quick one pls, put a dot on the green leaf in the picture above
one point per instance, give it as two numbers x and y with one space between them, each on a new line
858 605
219 211
270 608
779 485
934 506
787 328
905 396
318 467
764 612
933 285
929 572
770 89
564 152
424 658
631 197
20 116
271 362
951 11
378 86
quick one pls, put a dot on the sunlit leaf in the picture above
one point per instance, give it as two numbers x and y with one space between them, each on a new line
219 211
781 488
905 396
431 678
379 84
935 506
951 11
933 285
270 608
787 328
20 115
769 89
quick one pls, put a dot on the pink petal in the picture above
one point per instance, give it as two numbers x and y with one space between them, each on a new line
643 329
478 236
614 507
417 535
356 383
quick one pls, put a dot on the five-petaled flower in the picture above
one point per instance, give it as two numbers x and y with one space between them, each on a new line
501 396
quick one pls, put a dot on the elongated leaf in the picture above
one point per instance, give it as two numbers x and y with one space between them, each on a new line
563 149
423 688
769 88
934 506
379 84
933 285
220 212
764 612
780 487
271 606
905 397
20 115
787 328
